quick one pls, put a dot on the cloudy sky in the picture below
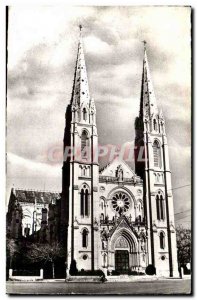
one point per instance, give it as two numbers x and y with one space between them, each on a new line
42 46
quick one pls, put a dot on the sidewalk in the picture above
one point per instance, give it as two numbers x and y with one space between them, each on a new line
121 278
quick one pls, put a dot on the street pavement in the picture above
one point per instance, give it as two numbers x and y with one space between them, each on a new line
168 286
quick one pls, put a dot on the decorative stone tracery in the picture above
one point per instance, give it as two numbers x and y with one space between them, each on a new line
121 202
121 243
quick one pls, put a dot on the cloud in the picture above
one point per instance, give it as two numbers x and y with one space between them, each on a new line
33 167
42 46
26 173
95 45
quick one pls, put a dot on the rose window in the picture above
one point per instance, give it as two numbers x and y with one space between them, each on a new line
120 203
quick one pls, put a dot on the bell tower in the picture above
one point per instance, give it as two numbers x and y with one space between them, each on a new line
80 172
152 165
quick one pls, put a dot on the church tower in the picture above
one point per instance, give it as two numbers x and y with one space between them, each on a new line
152 165
79 222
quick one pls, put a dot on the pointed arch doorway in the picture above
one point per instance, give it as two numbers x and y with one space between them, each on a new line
124 245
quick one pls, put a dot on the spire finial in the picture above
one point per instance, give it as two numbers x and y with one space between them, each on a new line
144 42
80 27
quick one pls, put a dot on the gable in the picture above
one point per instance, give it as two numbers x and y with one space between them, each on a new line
123 223
111 169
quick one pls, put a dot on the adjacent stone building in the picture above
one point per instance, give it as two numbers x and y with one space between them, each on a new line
33 213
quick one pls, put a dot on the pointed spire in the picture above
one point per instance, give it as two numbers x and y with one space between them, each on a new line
148 104
80 93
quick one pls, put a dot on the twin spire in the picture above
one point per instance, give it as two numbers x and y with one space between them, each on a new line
81 96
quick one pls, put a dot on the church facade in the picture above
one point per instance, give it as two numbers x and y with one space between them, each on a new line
117 218
113 219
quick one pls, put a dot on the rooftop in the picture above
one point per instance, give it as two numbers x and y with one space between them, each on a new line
30 196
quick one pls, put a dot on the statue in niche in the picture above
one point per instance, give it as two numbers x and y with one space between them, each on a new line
142 240
119 173
143 245
104 245
104 237
104 234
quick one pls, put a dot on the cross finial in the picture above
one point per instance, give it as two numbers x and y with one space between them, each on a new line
144 42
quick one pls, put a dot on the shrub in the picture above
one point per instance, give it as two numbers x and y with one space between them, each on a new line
150 270
73 268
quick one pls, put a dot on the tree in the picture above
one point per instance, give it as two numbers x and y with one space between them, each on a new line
45 253
12 249
183 245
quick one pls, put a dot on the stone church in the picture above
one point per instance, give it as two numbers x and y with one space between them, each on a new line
113 218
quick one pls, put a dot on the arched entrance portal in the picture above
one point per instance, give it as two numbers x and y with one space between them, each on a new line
124 256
